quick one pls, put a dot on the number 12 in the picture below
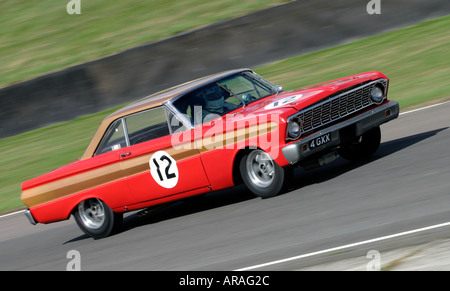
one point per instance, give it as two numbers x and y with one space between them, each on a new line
168 175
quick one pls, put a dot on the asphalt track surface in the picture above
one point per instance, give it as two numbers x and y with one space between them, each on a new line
405 186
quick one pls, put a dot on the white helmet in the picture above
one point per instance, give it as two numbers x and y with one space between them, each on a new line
214 100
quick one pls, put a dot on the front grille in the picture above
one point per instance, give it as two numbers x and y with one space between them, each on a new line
336 107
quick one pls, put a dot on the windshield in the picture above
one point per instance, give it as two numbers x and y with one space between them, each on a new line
247 87
223 96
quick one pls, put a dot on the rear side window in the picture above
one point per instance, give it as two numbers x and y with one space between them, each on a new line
136 128
114 138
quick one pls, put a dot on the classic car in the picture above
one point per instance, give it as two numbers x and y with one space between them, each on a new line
212 133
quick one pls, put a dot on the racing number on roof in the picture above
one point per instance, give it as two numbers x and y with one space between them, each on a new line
163 169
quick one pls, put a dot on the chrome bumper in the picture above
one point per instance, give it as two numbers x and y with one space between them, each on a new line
300 150
30 217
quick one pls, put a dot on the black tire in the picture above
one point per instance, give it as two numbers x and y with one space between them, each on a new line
262 175
96 219
364 147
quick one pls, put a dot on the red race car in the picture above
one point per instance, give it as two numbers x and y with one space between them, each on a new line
209 134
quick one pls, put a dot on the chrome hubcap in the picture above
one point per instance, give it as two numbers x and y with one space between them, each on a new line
92 213
260 168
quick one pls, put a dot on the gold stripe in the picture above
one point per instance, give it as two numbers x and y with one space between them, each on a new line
101 176
234 137
60 188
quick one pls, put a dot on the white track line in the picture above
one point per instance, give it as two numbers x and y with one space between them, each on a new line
345 246
12 213
423 108
357 243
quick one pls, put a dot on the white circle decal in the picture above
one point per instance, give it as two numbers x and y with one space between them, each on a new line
283 101
164 169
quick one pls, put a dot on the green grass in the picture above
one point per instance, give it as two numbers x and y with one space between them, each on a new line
416 59
40 36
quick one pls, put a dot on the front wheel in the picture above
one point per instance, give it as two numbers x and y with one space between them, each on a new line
262 176
96 218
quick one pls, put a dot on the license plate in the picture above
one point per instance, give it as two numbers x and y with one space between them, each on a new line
321 140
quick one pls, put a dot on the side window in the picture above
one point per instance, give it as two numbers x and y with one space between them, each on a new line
140 127
114 138
147 125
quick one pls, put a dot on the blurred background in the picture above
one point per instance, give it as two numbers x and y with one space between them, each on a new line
62 72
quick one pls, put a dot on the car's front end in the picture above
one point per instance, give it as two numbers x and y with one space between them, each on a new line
338 120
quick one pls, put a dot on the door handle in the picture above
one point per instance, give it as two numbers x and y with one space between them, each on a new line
124 155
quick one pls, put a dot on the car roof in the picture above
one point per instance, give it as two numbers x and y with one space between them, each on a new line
157 99
152 101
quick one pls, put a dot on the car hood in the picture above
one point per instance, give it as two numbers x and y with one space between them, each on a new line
306 96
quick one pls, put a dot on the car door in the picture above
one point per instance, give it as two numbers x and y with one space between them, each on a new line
155 167
104 170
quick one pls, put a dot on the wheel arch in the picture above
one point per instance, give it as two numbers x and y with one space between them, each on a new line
237 178
79 199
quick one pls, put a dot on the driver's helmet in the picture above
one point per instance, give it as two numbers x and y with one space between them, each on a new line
214 100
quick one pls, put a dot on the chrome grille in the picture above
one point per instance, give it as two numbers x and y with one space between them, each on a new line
336 107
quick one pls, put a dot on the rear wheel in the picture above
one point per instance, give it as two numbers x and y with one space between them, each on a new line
96 218
262 176
364 147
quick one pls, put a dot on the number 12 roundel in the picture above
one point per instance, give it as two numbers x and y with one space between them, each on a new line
164 169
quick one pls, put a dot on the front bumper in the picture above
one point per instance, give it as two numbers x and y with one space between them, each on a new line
300 149
30 217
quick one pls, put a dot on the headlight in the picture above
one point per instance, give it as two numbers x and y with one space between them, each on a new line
293 129
377 94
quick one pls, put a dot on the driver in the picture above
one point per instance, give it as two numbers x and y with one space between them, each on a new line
215 104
